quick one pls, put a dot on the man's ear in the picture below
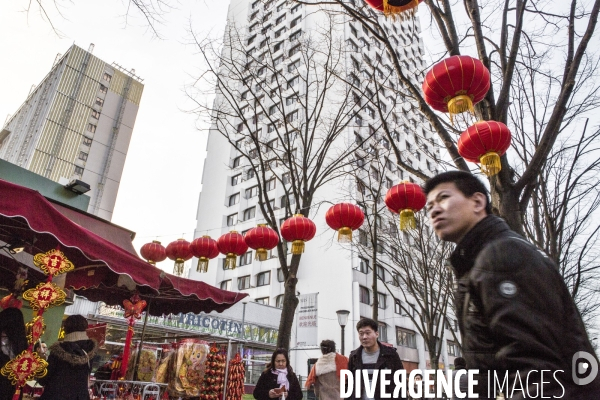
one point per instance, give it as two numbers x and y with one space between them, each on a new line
480 201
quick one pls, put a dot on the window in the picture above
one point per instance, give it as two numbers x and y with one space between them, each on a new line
266 17
397 307
244 282
91 128
453 349
364 295
296 8
83 155
232 219
263 279
380 273
279 301
107 77
99 101
262 300
352 45
370 112
246 258
87 141
236 162
78 170
226 285
271 184
406 338
293 66
374 173
295 36
362 238
389 183
382 329
235 179
103 89
353 30
277 47
234 199
280 277
291 100
381 300
280 19
277 61
255 4
273 109
291 117
95 114
295 22
249 213
395 278
285 178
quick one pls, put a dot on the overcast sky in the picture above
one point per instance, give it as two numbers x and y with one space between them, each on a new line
159 189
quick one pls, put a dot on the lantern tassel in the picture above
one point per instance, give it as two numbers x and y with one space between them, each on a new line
490 163
230 261
178 267
202 265
345 235
298 247
407 220
394 11
460 104
261 254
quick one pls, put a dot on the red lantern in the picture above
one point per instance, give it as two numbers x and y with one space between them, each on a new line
455 84
393 7
153 252
231 244
484 142
298 229
345 218
262 239
180 252
204 248
406 198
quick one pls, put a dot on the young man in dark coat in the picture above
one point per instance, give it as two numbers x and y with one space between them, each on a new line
69 363
372 355
515 313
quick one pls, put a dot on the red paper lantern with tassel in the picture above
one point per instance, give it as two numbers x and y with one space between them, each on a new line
204 248
456 84
393 7
345 218
485 142
262 239
153 252
231 244
406 198
179 251
298 230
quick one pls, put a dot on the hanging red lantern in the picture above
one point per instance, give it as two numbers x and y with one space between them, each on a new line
405 199
153 252
485 142
298 229
179 251
455 84
262 239
345 218
231 244
393 7
204 248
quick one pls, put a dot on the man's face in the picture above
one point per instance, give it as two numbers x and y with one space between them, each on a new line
368 337
451 213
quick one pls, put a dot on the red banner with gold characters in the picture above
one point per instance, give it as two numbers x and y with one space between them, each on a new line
24 367
53 262
44 295
35 329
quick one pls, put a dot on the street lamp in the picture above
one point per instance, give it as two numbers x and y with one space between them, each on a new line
342 320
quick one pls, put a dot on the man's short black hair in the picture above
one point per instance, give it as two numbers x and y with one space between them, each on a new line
467 183
460 363
367 322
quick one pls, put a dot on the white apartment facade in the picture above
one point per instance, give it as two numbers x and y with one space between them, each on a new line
77 124
334 271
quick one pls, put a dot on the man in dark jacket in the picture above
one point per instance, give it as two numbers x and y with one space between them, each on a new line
69 363
516 316
372 355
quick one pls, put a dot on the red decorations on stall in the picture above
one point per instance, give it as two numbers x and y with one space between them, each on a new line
204 248
133 310
262 239
44 295
214 375
23 368
485 142
298 229
455 84
235 378
179 251
53 262
406 198
393 7
153 252
345 218
10 301
231 244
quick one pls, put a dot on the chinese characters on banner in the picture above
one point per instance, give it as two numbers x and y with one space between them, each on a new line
306 320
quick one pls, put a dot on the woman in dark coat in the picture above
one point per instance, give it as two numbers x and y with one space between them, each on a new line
14 341
69 363
276 376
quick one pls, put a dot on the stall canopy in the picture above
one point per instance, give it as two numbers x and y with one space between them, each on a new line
104 271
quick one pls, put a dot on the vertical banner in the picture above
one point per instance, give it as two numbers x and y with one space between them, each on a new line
306 320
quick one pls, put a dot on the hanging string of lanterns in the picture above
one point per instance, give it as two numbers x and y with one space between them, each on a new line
298 230
153 252
204 248
179 251
345 218
405 199
232 245
262 239
393 7
485 142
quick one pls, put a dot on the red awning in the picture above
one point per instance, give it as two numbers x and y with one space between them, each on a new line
103 271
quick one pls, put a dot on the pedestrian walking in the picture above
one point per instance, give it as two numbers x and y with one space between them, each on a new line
516 316
278 380
325 374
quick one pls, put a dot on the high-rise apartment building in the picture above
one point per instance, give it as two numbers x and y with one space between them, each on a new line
77 124
229 199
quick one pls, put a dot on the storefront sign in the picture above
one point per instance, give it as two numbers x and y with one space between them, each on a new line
306 320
